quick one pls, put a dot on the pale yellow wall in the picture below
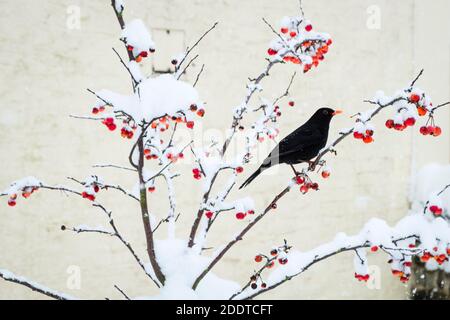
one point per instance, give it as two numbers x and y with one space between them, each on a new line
45 68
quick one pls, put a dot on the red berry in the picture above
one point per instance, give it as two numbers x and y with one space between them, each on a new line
308 27
325 174
399 126
254 286
193 107
270 265
151 189
197 176
421 111
410 122
201 112
174 62
407 263
390 124
368 139
299 180
209 214
358 135
283 260
263 285
291 103
239 170
436 210
95 110
329 42
369 132
284 30
374 248
96 188
240 215
293 34
11 202
414 98
190 124
130 48
423 130
258 258
112 127
315 186
144 54
304 189
274 252
272 52
250 212
437 131
430 130
404 279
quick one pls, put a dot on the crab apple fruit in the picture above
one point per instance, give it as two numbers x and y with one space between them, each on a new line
95 110
130 48
11 202
138 59
292 34
272 52
239 169
190 124
291 103
437 131
193 107
197 176
258 258
270 265
26 194
414 98
436 210
407 263
410 122
304 189
209 214
325 174
144 54
315 186
397 273
299 180
112 127
96 188
399 126
283 261
201 112
423 130
308 27
358 135
240 215
421 111
254 286
374 248
264 285
250 212
369 132
389 124
430 130
284 30
151 189
274 252
368 139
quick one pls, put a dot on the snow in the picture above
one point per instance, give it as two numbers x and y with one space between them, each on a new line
19 185
154 98
137 35
119 6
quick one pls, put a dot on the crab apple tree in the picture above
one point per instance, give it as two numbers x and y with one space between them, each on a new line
160 104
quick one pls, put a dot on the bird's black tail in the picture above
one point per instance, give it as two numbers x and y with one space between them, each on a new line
253 176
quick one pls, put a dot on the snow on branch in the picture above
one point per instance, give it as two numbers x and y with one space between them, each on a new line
11 277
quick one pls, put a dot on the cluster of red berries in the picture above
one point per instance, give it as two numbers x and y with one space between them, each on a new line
242 215
197 173
99 109
435 210
174 158
127 132
363 132
26 193
362 277
109 123
430 128
276 254
439 256
138 56
305 183
400 124
90 191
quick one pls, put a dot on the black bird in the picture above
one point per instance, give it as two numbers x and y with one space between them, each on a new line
301 145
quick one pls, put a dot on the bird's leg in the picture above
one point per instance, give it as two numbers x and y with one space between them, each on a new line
295 171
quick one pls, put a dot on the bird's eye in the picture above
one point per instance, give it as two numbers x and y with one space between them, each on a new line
325 112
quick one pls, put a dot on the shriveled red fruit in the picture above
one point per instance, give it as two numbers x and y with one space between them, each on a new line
209 214
240 215
263 285
95 110
358 135
291 103
130 48
389 124
414 98
274 252
250 212
258 258
404 279
96 188
239 169
270 265
271 52
369 132
284 30
144 54
193 107
151 189
283 261
196 171
397 273
254 286
174 62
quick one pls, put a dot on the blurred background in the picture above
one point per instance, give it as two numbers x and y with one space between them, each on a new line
53 50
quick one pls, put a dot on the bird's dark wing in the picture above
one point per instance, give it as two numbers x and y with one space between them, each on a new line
300 140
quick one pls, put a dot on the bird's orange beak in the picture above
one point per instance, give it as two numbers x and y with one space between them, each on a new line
337 112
